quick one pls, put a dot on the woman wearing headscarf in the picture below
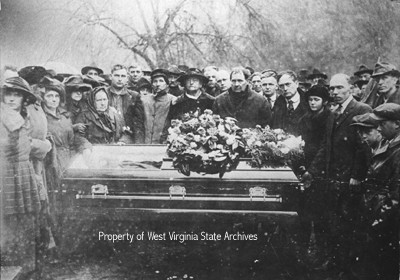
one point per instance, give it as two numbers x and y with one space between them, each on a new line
103 124
20 204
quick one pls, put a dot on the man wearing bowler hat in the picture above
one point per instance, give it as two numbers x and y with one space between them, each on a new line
386 77
194 97
175 87
383 185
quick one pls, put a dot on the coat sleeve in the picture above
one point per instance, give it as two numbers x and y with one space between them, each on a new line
265 114
135 120
360 168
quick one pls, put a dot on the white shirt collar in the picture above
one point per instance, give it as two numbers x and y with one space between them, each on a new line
296 100
194 96
344 104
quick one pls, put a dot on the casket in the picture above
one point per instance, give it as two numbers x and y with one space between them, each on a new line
133 181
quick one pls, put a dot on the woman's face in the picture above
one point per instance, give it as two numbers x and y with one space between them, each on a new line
51 99
76 95
316 103
13 99
101 101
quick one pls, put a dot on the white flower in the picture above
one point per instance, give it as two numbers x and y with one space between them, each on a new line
285 150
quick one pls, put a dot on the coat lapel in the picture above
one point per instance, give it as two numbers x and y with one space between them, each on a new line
347 112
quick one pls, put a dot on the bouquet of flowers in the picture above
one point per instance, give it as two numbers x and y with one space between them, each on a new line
273 147
205 143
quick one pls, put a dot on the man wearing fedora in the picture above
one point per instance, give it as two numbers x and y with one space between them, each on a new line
175 87
156 109
386 90
315 76
194 97
242 103
363 73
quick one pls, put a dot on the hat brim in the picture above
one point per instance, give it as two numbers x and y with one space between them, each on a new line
87 68
313 76
363 125
378 118
369 71
395 73
182 79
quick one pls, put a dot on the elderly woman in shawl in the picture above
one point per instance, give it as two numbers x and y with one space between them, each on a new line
19 191
103 124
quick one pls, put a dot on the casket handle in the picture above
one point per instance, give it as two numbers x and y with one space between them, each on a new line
99 189
177 191
257 192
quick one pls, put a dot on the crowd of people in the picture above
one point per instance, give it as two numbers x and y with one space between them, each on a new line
350 125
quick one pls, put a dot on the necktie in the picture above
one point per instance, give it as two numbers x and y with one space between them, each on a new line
290 107
338 111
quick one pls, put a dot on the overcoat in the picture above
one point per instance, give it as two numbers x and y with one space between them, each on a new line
341 156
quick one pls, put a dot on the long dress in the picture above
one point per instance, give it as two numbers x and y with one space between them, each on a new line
20 203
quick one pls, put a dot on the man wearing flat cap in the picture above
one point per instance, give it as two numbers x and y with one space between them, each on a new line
242 103
383 184
156 108
386 90
92 71
194 97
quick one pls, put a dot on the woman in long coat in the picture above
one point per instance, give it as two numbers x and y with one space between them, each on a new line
19 191
65 144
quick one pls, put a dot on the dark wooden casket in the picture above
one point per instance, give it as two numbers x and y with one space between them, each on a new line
137 182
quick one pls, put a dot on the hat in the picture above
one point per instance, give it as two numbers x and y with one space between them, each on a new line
53 84
363 69
76 82
387 111
318 90
94 81
317 74
19 84
86 69
183 68
160 73
143 83
32 74
365 120
193 72
384 68
250 69
173 69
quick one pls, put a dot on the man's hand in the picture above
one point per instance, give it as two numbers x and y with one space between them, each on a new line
306 179
79 127
354 182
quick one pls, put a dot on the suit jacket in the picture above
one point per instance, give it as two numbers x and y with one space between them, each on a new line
374 99
282 119
341 155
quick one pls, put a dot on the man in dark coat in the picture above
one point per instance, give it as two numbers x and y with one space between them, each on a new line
120 96
175 87
269 84
383 195
212 87
291 105
243 104
135 75
383 89
342 160
194 97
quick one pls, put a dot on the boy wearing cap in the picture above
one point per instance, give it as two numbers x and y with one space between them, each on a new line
383 184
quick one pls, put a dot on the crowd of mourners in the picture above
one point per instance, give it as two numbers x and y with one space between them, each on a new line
350 125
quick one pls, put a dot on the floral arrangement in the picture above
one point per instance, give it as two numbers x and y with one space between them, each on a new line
205 143
273 147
